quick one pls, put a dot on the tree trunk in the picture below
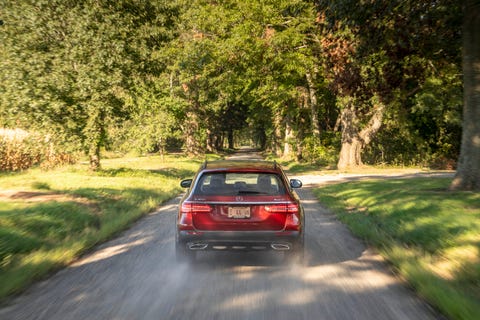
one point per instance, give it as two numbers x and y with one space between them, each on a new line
94 156
313 106
221 141
95 136
289 136
231 144
190 129
210 141
467 176
261 138
353 141
299 137
191 124
161 147
277 136
218 141
350 153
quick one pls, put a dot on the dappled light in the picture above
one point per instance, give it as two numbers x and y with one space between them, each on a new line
109 252
429 233
246 301
136 275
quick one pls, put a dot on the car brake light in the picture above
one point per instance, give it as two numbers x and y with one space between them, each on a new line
291 209
196 208
292 223
282 208
185 221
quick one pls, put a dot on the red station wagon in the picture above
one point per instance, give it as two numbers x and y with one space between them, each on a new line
240 205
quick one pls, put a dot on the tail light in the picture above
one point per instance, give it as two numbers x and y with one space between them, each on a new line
192 207
185 221
290 207
293 221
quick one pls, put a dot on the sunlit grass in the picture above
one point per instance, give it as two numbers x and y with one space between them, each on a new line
48 218
431 235
306 168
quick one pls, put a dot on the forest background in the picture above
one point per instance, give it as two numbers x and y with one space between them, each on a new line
334 83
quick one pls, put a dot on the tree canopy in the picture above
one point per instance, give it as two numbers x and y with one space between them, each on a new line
330 82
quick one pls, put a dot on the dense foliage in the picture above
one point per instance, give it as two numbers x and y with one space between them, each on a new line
72 69
356 81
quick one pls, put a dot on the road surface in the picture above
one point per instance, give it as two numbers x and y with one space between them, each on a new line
135 276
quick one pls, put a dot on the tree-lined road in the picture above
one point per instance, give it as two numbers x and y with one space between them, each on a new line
135 276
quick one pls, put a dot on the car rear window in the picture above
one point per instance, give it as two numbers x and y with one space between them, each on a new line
234 183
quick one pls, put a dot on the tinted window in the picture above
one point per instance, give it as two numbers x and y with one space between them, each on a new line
234 183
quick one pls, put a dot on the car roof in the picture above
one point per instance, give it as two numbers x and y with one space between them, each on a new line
229 165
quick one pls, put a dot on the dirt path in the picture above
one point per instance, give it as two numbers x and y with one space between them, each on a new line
135 276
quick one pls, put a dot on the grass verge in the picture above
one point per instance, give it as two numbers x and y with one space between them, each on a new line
430 235
49 218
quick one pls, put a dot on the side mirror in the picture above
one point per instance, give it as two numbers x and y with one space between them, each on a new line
295 183
186 183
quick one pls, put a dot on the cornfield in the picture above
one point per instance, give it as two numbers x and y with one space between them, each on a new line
20 150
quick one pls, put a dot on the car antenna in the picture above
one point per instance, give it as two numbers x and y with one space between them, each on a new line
275 164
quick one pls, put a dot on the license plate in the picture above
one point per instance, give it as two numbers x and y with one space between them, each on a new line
239 212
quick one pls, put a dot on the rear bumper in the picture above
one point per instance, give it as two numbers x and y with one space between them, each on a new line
240 241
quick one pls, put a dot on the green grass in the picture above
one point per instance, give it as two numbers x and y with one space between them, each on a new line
57 215
294 167
430 235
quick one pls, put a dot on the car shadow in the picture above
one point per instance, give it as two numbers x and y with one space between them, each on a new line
220 259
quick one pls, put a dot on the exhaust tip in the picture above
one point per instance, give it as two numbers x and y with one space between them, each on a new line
197 246
280 246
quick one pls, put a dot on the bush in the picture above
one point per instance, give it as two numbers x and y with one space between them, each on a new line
318 154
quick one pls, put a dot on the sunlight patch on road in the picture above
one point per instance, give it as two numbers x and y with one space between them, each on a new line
110 252
301 297
167 208
245 301
80 297
246 272
362 271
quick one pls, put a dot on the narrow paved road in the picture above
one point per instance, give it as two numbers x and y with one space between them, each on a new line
136 277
